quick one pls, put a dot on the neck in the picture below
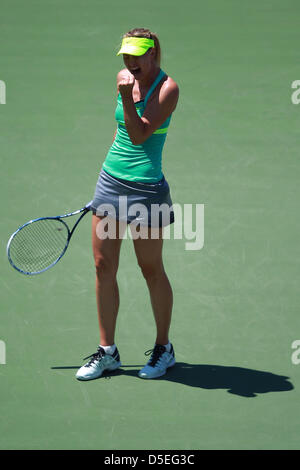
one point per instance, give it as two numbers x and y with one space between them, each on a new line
147 81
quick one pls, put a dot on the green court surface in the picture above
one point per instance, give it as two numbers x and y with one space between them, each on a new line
233 145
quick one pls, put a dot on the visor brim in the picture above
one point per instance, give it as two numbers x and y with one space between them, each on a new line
133 50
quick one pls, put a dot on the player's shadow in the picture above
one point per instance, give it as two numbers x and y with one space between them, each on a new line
236 380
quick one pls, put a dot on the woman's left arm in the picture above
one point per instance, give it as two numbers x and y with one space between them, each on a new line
157 111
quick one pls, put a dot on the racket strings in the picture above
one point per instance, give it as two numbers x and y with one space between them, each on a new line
38 244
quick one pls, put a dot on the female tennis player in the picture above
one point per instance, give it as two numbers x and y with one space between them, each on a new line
132 172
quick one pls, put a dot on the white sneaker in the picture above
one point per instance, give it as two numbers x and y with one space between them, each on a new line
100 361
159 362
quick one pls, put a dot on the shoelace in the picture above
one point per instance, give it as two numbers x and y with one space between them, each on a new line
97 355
156 354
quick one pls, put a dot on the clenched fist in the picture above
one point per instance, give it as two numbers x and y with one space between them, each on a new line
125 82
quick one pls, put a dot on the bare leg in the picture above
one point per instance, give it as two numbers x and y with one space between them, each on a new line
106 256
149 256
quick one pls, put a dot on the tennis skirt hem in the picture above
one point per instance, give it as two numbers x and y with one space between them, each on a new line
146 204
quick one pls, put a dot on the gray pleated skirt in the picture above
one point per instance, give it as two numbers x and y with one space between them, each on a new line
147 204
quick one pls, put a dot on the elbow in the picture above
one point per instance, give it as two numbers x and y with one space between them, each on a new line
139 136
138 140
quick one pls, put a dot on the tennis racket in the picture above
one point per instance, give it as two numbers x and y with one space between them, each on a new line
40 243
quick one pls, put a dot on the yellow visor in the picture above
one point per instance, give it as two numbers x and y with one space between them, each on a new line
135 46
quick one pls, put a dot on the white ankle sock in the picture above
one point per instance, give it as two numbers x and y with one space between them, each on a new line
109 349
168 347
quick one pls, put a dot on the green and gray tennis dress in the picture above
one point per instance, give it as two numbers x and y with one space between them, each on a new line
132 174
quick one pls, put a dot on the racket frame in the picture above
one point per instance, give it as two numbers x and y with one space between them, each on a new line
84 211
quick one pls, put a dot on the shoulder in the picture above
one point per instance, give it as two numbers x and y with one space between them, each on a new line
170 86
169 91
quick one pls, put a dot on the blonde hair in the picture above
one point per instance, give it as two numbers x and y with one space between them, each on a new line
146 33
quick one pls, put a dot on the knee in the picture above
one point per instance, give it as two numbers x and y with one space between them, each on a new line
105 268
151 271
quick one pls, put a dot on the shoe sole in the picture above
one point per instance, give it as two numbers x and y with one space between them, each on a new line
117 366
160 375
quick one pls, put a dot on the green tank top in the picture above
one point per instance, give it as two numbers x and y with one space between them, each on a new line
137 162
